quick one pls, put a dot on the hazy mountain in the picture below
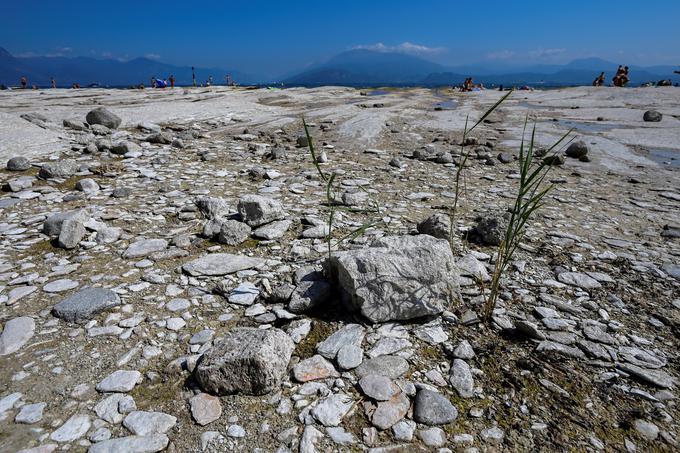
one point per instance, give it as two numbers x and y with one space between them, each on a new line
365 67
85 71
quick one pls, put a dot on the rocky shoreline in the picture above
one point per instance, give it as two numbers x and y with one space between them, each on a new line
165 281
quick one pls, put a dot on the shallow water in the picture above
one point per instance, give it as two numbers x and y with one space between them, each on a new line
588 127
446 105
665 157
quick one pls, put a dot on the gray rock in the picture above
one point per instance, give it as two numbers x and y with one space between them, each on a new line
220 264
58 286
273 230
461 378
331 410
652 116
379 388
205 408
437 225
73 428
308 295
464 351
655 377
350 334
212 207
87 185
52 225
470 266
577 150
389 412
433 408
302 141
104 117
505 158
142 423
349 357
340 436
131 444
145 247
126 147
244 294
71 233
236 431
60 169
493 435
561 349
75 124
160 138
398 278
18 163
30 413
15 334
85 304
391 366
578 279
403 430
646 429
119 381
107 409
490 228
433 437
246 360
256 210
233 232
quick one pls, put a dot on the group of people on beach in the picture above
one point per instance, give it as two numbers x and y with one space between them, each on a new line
621 78
469 85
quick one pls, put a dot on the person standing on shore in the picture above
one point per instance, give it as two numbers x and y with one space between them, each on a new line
53 83
24 82
599 81
193 76
172 81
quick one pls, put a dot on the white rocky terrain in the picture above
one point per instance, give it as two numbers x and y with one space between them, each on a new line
165 282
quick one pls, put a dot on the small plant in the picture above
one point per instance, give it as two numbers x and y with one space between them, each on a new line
461 165
529 199
332 203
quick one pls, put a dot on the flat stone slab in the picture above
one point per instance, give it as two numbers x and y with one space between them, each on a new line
15 334
145 247
221 264
143 423
85 304
119 381
137 444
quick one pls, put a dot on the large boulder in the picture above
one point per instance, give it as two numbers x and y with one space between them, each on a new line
398 277
212 207
102 116
60 169
247 360
85 304
256 210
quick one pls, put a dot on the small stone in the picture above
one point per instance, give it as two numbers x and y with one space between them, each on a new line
236 431
403 430
432 408
30 413
145 247
119 381
389 412
492 435
256 210
379 388
205 408
18 163
72 232
577 149
102 116
331 410
87 185
464 351
652 116
314 368
461 378
74 428
349 357
145 444
15 334
85 304
350 334
433 437
244 294
390 366
144 423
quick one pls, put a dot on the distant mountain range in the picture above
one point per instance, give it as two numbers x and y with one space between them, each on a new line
364 67
358 67
87 71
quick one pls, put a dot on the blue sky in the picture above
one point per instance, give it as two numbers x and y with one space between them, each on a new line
271 38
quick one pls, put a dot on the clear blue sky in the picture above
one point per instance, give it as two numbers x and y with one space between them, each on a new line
273 37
